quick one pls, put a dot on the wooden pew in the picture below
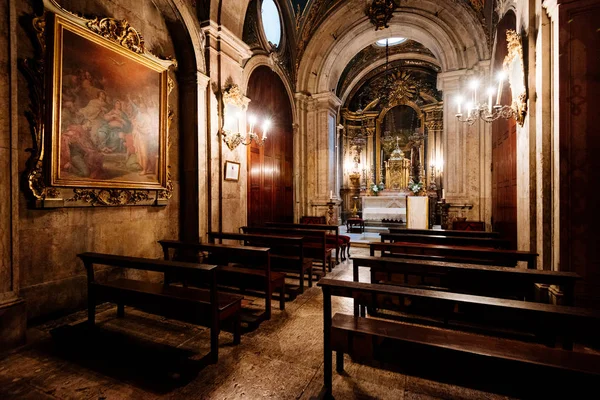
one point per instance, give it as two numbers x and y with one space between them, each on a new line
471 255
200 306
493 243
251 268
315 244
446 232
361 337
287 254
466 278
332 237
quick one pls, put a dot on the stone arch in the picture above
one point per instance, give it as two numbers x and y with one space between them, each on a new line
190 53
264 60
452 32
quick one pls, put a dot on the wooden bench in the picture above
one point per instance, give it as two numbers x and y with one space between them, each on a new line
365 337
201 306
446 232
315 243
466 278
321 220
287 254
335 240
473 255
243 267
493 243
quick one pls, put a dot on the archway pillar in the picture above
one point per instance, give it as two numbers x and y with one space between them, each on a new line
466 155
320 133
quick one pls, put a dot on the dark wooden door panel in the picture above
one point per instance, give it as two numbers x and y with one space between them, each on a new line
504 153
270 166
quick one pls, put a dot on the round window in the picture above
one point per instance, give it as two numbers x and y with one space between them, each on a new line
390 41
271 22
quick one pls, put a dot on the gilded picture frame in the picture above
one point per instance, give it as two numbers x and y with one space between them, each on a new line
100 127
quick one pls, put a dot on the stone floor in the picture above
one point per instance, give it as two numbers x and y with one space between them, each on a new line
147 357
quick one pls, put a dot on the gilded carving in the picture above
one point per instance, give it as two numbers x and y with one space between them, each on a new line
380 12
514 64
118 31
233 95
110 197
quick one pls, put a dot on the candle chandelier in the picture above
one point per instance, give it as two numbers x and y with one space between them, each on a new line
234 139
486 111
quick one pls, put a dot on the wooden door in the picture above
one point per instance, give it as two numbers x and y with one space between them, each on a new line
504 153
579 141
270 167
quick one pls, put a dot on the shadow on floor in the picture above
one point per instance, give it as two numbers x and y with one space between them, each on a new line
148 365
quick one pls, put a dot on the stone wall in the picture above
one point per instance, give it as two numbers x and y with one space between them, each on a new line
51 277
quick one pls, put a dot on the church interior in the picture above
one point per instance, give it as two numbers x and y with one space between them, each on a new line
299 199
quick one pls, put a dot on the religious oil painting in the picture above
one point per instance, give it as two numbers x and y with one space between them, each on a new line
109 113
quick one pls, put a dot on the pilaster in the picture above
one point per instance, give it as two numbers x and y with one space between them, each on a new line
13 317
321 137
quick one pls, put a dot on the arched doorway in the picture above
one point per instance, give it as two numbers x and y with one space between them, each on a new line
270 175
504 151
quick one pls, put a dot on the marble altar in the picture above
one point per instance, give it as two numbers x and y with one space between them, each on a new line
387 205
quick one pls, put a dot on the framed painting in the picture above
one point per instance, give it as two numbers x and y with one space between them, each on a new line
232 171
106 113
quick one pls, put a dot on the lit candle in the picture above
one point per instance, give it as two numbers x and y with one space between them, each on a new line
443 193
469 108
501 77
266 126
474 85
459 100
252 121
330 194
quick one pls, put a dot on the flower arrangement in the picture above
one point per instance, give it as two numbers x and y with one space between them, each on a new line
416 188
375 189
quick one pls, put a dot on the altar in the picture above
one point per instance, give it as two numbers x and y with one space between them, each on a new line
387 205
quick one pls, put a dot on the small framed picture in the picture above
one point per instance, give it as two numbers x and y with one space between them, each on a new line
232 171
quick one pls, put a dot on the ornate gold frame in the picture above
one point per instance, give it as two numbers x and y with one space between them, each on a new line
514 65
45 188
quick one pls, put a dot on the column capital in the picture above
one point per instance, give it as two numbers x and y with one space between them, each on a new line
234 47
327 100
551 7
203 79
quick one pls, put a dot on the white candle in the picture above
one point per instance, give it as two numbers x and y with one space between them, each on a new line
501 77
443 193
331 194
491 95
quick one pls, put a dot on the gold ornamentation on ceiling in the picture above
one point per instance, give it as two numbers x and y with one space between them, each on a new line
380 12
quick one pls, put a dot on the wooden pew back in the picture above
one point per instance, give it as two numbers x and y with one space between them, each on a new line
499 257
494 243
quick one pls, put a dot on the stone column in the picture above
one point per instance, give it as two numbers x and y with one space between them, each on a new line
300 157
13 319
203 138
321 136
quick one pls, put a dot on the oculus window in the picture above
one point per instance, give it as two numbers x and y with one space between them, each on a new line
271 22
390 41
